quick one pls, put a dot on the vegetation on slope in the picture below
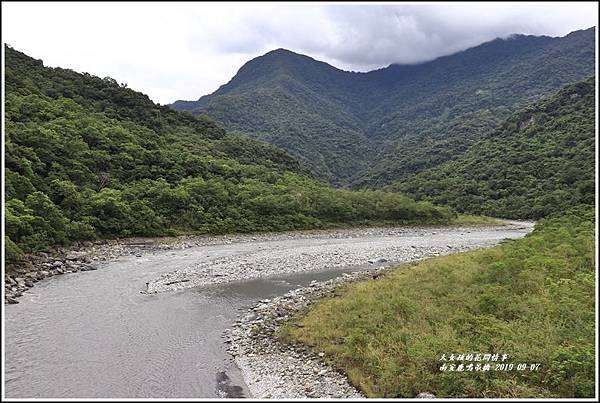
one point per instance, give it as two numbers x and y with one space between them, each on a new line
370 129
440 108
532 299
296 103
89 158
540 161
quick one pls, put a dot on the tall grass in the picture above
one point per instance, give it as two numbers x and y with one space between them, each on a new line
532 299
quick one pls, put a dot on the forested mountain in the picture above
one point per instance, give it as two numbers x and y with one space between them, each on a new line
297 103
89 158
540 161
369 129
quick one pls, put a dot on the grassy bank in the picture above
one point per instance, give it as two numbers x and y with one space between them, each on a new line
532 299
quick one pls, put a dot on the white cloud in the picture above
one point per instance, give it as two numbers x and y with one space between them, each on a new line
184 50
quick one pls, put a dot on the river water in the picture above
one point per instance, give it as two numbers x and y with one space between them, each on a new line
94 334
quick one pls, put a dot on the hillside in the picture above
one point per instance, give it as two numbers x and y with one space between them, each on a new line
369 129
89 158
296 103
541 161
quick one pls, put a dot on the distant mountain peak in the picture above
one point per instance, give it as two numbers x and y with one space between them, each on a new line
378 126
281 51
285 55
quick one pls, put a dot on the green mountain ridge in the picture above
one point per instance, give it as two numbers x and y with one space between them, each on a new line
539 162
370 129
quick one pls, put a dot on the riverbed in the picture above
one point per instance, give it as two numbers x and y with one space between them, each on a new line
151 324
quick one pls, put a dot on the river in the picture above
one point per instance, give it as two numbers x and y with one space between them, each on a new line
96 334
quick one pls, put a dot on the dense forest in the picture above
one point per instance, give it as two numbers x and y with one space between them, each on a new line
90 158
367 130
541 161
296 103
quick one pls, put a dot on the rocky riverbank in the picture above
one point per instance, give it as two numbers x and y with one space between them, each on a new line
79 257
273 369
378 246
84 256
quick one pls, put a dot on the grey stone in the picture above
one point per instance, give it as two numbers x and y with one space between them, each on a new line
425 395
73 255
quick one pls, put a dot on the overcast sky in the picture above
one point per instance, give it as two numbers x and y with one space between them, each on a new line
176 51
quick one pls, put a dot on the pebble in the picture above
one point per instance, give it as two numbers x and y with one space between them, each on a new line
263 359
425 395
279 258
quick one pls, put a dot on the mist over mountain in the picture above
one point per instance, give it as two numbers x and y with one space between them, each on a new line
370 129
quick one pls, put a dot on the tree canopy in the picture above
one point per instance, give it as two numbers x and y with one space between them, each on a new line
89 158
541 161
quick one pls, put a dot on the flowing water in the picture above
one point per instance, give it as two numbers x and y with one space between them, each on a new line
94 334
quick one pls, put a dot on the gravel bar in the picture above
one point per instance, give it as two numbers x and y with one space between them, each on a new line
272 369
276 254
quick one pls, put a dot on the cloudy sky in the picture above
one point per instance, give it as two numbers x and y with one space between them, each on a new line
176 51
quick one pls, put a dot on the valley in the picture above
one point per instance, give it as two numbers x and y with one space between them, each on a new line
305 231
